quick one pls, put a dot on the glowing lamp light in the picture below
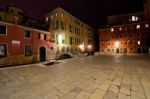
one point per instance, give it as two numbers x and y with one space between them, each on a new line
60 39
112 29
117 43
81 47
139 42
89 46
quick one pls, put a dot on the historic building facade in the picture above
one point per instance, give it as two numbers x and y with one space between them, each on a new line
128 33
11 14
126 38
147 10
69 33
22 45
23 40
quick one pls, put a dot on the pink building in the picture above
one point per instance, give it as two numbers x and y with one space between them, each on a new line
22 45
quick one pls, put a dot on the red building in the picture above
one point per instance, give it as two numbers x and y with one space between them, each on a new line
126 38
22 45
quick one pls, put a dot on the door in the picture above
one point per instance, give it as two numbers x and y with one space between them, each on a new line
42 54
117 50
125 50
139 50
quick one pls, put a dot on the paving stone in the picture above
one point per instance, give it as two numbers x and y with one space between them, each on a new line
83 95
123 96
102 77
110 95
98 94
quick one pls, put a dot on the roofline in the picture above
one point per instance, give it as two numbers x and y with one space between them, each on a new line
125 14
7 23
67 13
123 25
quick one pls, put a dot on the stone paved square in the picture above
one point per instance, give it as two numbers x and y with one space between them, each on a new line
92 77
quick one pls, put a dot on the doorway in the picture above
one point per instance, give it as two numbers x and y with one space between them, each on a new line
125 50
117 50
139 50
42 54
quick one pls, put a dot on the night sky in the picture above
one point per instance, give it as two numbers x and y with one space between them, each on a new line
93 12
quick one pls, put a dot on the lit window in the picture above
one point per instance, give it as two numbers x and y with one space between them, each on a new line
62 15
28 50
138 26
112 29
42 36
60 38
120 28
56 14
117 43
139 42
136 19
146 25
3 50
46 19
133 18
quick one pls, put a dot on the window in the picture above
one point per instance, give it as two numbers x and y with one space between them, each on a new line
120 36
146 25
28 50
120 28
56 25
3 50
138 26
112 29
56 14
2 30
27 34
44 36
62 25
71 40
135 18
70 28
62 14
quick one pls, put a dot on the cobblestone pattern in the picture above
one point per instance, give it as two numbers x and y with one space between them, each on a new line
93 77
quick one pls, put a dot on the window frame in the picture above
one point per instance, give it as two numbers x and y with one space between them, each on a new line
25 50
6 30
30 34
6 50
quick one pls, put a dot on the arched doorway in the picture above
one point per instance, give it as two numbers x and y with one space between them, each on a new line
42 51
